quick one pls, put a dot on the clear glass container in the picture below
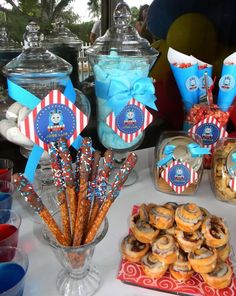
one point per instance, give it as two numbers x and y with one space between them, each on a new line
79 276
39 71
176 169
120 59
223 173
8 50
62 42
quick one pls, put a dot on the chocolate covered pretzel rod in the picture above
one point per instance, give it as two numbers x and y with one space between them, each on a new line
84 169
68 175
27 191
96 156
59 183
116 186
101 186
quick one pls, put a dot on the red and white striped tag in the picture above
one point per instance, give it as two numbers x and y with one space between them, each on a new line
210 123
179 175
232 184
129 135
36 125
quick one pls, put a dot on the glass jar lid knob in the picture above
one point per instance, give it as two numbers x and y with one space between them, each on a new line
122 15
32 37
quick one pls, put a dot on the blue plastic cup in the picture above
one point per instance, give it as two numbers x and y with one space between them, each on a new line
13 268
6 191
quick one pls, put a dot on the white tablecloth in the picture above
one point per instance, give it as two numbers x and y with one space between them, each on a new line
43 265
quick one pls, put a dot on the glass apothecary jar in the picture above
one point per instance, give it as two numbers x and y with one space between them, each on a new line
62 42
178 163
223 173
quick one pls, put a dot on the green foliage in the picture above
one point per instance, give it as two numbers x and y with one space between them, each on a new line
82 30
134 13
94 7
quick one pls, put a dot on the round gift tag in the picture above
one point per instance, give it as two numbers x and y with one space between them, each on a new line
181 151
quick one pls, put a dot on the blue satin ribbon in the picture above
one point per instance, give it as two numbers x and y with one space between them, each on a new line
196 150
119 92
29 100
168 152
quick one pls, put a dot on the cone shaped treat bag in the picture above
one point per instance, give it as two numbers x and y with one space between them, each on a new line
185 71
205 79
227 86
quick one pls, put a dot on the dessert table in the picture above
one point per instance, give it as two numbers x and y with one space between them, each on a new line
44 267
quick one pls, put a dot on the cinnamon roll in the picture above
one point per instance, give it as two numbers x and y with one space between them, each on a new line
143 212
165 249
152 267
220 277
203 260
142 230
215 231
181 269
171 205
188 217
223 252
189 241
133 250
161 217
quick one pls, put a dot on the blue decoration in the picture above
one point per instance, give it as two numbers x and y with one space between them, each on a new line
29 100
11 274
179 175
130 119
209 132
119 92
168 152
196 150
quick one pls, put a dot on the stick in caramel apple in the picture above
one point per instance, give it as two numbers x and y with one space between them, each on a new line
66 162
101 185
59 183
116 186
26 189
84 170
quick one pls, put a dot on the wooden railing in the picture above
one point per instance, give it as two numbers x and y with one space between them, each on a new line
84 67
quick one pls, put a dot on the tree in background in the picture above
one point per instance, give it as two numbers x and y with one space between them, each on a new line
44 12
94 7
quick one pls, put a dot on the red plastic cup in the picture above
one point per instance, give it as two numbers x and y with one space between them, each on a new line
10 223
6 169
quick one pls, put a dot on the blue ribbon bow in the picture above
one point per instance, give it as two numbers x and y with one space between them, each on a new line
196 150
168 152
120 91
29 100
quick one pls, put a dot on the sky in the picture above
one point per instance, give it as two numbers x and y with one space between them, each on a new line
80 7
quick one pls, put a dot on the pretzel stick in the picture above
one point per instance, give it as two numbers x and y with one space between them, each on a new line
116 186
102 179
27 191
91 187
84 168
68 175
60 186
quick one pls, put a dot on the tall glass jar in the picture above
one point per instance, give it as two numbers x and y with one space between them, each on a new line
38 71
62 42
121 61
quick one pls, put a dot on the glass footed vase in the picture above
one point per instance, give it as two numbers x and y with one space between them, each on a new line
78 277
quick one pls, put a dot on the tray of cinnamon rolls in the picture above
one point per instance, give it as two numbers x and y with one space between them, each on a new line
180 248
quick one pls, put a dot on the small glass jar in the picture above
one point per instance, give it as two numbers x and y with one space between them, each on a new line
223 173
62 42
178 167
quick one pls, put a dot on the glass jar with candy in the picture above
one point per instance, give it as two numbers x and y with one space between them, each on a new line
121 61
178 163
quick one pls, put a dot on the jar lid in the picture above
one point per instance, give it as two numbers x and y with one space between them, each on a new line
61 35
35 59
181 151
122 38
7 44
